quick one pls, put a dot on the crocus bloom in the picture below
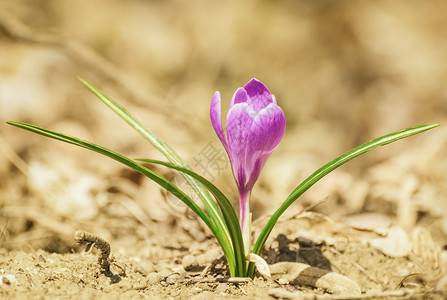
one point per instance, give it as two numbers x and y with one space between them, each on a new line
255 126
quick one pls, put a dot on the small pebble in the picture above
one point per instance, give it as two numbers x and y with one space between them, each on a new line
190 264
173 278
165 272
221 289
153 278
7 279
208 257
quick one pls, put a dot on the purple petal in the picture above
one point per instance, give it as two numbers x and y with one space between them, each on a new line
255 170
267 129
259 95
215 116
255 87
255 126
241 176
239 96
266 132
239 121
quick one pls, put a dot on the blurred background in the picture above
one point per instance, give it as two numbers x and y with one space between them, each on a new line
344 72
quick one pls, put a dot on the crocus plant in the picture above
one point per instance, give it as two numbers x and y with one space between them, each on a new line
255 126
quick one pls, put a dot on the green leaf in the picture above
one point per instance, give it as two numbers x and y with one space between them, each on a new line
326 169
168 152
227 210
220 235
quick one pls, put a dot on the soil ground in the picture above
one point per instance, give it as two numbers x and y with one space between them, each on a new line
344 72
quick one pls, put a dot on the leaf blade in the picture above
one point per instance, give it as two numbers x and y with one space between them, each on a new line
225 205
326 169
167 151
164 183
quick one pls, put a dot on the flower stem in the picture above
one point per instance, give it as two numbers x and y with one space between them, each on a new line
245 219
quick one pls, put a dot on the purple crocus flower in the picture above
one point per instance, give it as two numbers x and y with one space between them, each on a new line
255 126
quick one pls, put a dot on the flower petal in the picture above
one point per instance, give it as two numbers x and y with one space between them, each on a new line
266 132
259 95
240 96
267 129
239 121
255 126
215 116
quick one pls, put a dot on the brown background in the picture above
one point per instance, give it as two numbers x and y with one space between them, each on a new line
343 71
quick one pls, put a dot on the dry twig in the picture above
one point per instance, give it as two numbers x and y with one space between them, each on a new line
82 237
